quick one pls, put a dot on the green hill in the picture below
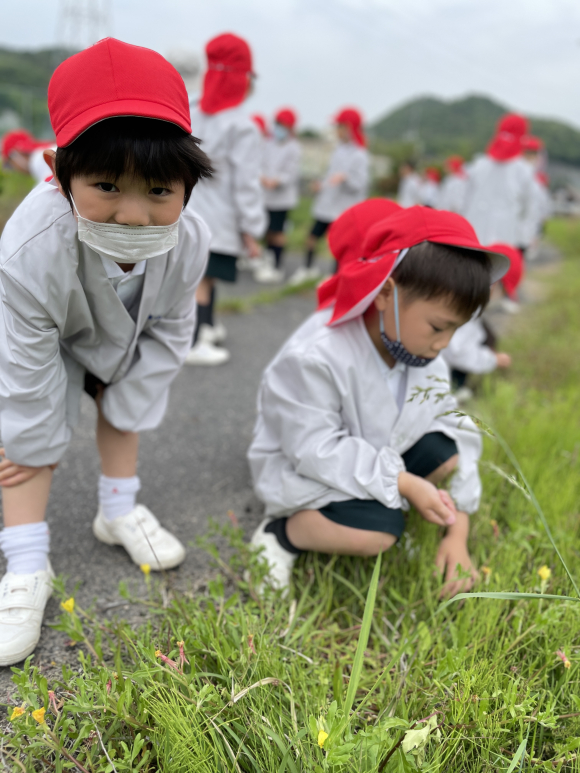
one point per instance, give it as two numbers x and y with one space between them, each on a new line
24 77
436 128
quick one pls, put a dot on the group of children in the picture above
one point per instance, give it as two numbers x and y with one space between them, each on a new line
107 274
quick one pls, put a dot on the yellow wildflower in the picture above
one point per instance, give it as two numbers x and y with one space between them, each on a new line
38 715
322 736
68 605
17 711
486 570
158 653
545 573
146 569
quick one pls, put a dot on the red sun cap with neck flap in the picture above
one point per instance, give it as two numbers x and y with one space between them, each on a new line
20 141
229 68
455 165
532 144
515 273
506 144
113 79
361 280
260 122
346 237
353 119
286 117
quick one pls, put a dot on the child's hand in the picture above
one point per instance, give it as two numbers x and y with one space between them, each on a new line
503 360
337 179
452 557
14 474
433 505
252 247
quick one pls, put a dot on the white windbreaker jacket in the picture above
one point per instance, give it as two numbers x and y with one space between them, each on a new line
409 193
282 163
329 429
452 193
61 316
467 351
332 200
231 202
498 198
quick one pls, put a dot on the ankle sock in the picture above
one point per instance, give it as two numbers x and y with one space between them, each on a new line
204 317
26 547
309 258
277 251
278 529
117 496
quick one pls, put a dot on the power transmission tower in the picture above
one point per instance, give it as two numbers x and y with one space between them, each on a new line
82 22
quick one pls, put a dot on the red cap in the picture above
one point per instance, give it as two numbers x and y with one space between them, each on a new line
507 141
515 272
346 236
353 119
433 174
531 144
112 79
260 122
20 141
543 178
360 281
286 117
455 165
229 67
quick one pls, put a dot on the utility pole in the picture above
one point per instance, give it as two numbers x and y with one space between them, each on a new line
82 22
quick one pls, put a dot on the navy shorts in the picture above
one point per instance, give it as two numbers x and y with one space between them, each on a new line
428 453
222 267
319 228
277 220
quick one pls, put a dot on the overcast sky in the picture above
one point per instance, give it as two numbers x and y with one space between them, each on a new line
319 55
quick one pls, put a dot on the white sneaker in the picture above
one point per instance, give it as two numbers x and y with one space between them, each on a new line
212 334
268 274
303 274
23 598
509 306
204 353
280 561
142 536
463 395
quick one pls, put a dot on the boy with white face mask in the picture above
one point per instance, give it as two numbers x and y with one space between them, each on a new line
98 276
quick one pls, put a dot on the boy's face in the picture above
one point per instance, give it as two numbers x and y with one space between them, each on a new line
343 132
426 326
126 201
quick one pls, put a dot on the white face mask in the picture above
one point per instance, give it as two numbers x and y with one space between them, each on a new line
126 243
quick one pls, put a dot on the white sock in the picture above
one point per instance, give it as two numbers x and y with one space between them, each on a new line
26 547
117 496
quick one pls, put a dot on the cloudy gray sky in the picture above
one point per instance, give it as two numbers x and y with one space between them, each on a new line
321 54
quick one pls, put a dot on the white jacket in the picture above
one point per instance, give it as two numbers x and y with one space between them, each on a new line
539 211
430 193
498 199
467 351
61 316
409 193
329 429
332 200
282 163
231 202
452 193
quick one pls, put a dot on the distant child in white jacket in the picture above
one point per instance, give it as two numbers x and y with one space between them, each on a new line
472 349
346 183
355 420
454 187
24 153
97 292
409 193
231 202
280 180
430 187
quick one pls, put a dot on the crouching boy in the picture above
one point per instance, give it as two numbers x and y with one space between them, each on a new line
352 425
97 290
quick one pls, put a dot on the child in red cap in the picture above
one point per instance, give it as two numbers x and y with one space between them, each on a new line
540 207
409 191
345 183
355 420
280 177
97 286
231 202
430 187
453 188
24 153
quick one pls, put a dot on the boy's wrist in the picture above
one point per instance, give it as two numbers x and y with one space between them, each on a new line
460 529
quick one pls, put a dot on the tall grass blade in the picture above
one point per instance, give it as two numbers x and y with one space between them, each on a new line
519 755
506 595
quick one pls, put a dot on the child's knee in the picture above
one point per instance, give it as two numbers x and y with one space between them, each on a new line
371 543
444 470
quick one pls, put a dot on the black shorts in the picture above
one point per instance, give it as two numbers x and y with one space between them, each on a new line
319 228
277 220
222 267
92 384
428 453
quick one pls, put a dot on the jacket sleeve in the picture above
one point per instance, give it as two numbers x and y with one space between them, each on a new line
138 401
33 379
245 159
302 405
465 485
357 174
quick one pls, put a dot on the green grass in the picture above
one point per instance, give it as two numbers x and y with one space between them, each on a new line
361 656
13 188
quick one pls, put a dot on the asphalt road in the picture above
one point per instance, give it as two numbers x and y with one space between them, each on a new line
192 468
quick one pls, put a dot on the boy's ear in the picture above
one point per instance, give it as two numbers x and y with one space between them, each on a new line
50 159
385 294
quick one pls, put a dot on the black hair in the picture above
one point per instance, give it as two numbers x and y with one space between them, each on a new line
432 270
157 151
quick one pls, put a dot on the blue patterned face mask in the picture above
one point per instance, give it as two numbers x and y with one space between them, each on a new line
396 348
